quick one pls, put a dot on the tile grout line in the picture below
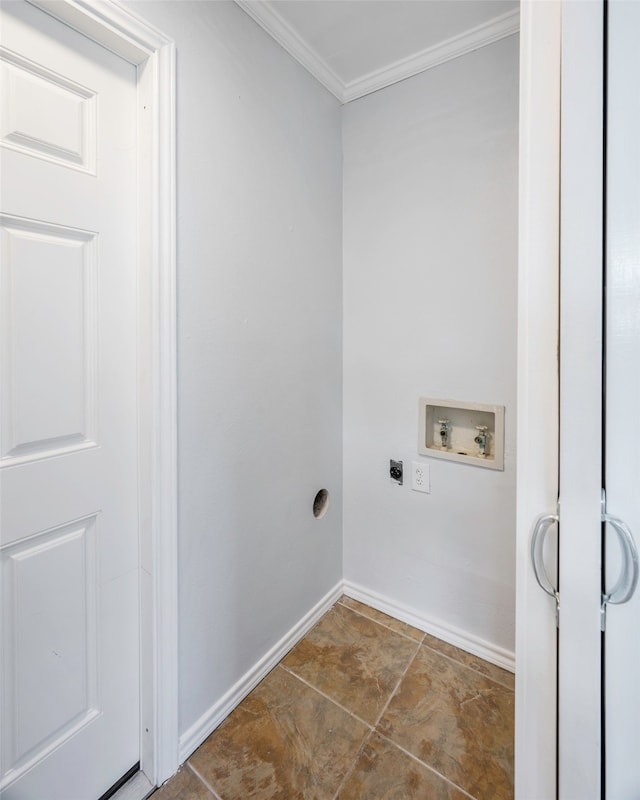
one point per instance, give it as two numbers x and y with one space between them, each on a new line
422 641
467 666
371 729
368 735
424 764
203 781
353 763
326 697
371 619
397 686
393 694
375 730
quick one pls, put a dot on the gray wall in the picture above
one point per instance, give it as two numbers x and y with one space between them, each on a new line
259 343
430 222
430 263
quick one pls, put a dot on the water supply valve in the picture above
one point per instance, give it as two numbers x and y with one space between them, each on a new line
481 440
444 433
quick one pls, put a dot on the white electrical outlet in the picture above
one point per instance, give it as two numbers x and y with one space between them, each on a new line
420 477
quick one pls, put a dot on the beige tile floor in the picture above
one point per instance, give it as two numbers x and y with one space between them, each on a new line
364 707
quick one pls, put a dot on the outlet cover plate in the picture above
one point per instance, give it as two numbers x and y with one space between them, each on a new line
420 477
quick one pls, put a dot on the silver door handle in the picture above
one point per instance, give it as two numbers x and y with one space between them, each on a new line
542 526
627 581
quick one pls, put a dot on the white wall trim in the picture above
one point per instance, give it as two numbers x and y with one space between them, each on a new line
489 32
108 24
130 37
441 630
192 738
268 18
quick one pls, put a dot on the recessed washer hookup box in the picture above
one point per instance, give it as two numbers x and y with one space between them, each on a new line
470 433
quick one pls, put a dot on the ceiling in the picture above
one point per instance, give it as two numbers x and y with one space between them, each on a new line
355 47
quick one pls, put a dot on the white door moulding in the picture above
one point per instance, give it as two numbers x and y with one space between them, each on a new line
130 37
538 389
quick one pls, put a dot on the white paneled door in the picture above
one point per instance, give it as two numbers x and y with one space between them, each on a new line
69 694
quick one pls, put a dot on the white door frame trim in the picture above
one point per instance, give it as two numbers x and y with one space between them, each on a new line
130 37
538 389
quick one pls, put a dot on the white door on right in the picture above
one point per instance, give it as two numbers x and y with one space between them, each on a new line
621 675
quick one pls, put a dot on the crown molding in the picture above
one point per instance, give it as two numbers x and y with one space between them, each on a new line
473 39
268 18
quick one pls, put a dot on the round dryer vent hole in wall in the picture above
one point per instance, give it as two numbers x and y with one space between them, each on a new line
321 504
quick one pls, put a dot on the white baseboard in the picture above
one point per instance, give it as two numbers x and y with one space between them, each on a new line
441 630
193 737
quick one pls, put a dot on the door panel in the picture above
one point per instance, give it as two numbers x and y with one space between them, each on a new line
47 115
49 336
622 469
50 600
581 343
68 455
